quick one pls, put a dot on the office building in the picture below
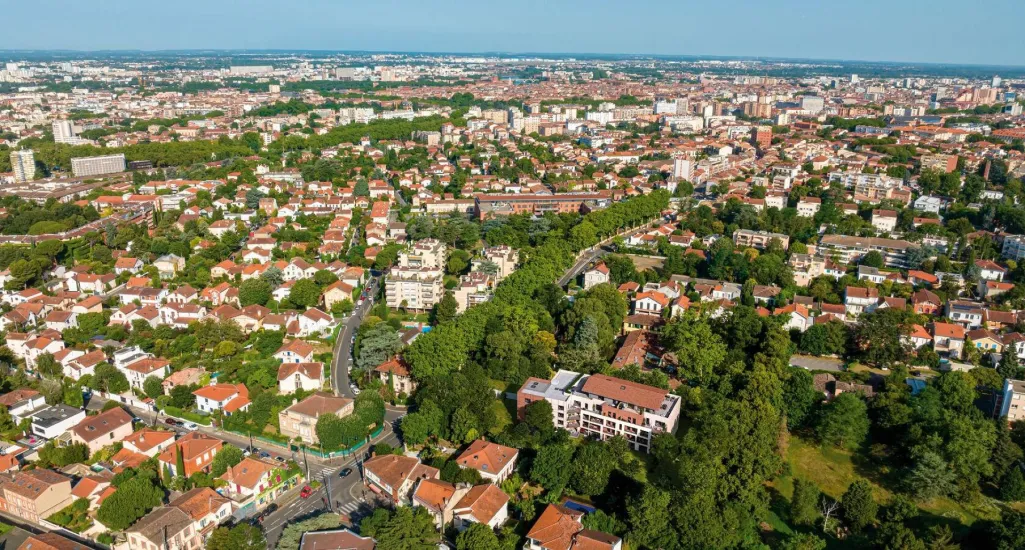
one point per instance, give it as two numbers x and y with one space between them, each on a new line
604 407
97 166
23 164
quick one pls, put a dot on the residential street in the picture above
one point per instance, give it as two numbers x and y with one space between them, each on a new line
343 345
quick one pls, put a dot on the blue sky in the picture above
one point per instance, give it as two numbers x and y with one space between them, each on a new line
938 31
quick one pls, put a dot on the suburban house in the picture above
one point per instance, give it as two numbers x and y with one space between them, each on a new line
494 462
53 422
300 419
106 428
595 276
295 351
197 451
148 442
560 528
484 503
22 403
185 523
395 476
250 477
227 398
395 373
293 377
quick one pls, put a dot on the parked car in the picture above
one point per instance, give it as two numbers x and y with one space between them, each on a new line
345 472
306 491
171 422
280 459
273 507
264 454
191 426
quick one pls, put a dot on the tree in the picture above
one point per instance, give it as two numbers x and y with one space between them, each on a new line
844 421
107 378
182 396
239 537
304 293
478 536
415 429
880 336
254 291
859 508
592 466
804 504
930 476
1012 487
873 259
133 499
408 529
828 338
153 386
1008 366
446 309
698 349
552 467
803 541
227 457
376 345
48 366
799 397
649 519
292 534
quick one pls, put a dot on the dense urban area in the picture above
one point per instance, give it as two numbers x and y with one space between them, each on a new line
318 301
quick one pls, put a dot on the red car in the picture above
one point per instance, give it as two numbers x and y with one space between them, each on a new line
306 491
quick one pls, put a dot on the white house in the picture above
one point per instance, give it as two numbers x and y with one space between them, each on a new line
595 276
227 398
300 376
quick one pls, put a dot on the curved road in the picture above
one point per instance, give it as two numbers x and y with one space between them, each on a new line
342 354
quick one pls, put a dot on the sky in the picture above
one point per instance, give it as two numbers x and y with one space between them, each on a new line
930 31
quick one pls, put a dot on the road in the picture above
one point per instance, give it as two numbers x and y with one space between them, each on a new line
347 496
343 345
594 253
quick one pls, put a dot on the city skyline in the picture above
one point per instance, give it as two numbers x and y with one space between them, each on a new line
796 29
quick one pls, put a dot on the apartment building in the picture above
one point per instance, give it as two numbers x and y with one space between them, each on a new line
1013 406
604 407
747 238
504 257
34 494
23 164
97 166
849 249
473 288
417 282
1014 247
184 524
528 203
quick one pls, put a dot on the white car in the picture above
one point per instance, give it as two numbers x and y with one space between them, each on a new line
190 426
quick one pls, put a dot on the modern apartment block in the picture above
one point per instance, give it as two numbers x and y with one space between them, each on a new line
417 282
537 204
504 257
1013 405
849 249
604 407
758 239
23 164
98 166
1014 247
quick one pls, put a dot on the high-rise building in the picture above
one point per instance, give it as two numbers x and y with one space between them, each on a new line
63 131
23 164
761 137
97 166
997 81
681 169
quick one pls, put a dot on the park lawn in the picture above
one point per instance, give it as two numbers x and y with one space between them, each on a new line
833 470
504 414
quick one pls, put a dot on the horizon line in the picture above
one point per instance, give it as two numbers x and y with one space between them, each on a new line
596 55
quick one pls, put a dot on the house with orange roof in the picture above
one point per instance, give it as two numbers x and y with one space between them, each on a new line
227 398
197 451
395 476
494 462
250 477
797 317
295 351
948 339
560 528
485 503
395 373
595 276
438 498
148 441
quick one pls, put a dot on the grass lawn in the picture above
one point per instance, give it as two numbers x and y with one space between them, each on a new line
5 528
833 470
505 412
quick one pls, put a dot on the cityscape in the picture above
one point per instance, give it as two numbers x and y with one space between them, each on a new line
317 299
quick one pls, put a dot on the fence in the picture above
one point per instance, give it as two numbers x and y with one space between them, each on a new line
345 452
